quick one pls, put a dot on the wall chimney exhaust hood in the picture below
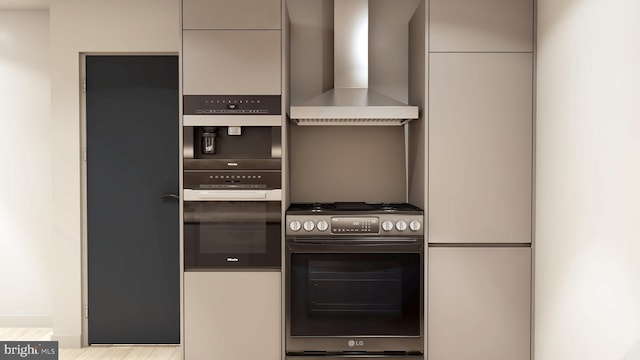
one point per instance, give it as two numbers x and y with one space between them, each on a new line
351 102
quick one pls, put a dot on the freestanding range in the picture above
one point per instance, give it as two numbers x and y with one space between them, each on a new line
354 281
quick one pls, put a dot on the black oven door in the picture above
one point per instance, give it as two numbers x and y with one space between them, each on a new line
232 230
354 296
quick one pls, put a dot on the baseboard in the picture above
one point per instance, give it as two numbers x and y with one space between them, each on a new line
66 341
26 321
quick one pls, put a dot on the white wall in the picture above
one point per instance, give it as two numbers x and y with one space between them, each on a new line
25 180
588 181
88 26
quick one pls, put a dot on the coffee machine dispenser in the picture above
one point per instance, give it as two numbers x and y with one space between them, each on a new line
208 140
236 142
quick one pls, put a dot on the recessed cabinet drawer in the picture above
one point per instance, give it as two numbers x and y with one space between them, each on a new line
231 62
231 14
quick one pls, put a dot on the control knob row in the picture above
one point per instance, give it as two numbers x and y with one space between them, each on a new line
322 225
308 225
401 225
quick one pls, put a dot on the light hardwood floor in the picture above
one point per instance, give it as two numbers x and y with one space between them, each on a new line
99 352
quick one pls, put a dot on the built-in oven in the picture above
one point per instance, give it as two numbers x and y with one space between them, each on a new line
354 283
232 229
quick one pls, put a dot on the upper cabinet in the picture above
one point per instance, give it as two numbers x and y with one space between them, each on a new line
231 14
481 25
480 147
238 62
232 47
480 121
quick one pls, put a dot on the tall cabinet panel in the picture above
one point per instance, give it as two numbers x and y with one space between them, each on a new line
480 171
479 303
231 47
480 147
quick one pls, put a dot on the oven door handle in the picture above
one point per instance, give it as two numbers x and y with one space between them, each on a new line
388 245
232 195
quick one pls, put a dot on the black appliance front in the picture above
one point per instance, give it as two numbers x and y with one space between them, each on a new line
229 142
354 296
248 160
232 235
234 105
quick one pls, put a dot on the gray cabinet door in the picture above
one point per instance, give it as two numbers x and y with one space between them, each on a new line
232 315
479 305
481 25
480 148
231 62
231 14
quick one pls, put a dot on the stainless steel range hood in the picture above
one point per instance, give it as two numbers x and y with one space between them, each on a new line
351 102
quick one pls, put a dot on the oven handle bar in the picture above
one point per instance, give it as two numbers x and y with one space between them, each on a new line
403 244
232 195
231 120
371 240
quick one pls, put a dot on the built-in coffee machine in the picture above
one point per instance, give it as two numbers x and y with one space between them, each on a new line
234 143
232 182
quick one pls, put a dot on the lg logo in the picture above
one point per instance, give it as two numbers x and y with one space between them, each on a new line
353 343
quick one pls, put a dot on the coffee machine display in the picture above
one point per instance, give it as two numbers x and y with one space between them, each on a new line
235 105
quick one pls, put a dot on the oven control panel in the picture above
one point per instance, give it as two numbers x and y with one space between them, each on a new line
355 225
332 225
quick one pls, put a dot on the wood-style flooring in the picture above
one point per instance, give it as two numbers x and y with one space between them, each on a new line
98 352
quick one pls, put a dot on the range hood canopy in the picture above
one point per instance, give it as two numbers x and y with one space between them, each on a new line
351 102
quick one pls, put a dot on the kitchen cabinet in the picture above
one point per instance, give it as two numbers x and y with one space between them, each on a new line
481 25
480 147
231 14
232 315
479 303
243 62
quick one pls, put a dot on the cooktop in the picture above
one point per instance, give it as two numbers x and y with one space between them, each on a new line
352 207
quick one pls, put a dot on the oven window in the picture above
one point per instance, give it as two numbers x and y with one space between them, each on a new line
355 294
233 238
247 232
238 228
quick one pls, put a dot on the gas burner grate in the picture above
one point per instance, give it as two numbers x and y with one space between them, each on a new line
352 207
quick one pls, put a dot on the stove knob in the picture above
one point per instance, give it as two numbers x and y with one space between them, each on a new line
401 225
415 225
387 225
295 225
308 225
322 225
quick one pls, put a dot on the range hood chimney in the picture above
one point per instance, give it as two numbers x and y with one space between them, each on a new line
351 102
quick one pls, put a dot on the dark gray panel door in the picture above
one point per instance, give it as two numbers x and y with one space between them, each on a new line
133 230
